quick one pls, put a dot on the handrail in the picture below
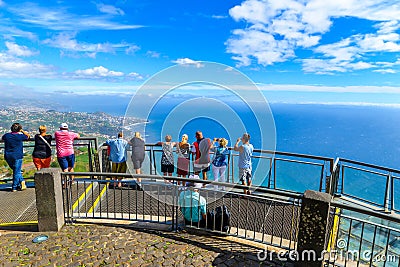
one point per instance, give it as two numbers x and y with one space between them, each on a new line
175 178
365 211
80 139
369 165
276 153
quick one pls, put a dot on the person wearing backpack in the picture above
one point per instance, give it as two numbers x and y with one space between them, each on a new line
41 154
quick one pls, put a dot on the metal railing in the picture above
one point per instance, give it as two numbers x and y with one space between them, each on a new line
90 143
362 237
268 217
376 185
273 169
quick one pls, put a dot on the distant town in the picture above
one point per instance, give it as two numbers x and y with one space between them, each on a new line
98 124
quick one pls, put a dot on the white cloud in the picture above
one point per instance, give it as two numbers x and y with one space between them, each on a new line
219 17
385 71
276 29
97 72
188 62
102 73
333 89
131 49
19 50
380 42
12 67
1 3
68 44
60 19
153 54
135 76
9 32
109 9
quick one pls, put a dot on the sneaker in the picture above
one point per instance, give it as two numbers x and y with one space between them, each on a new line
23 185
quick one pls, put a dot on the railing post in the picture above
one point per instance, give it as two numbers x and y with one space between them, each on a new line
49 199
387 193
313 226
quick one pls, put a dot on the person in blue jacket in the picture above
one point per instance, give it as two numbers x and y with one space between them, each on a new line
13 154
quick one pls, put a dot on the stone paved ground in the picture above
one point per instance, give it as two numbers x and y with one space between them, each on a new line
99 245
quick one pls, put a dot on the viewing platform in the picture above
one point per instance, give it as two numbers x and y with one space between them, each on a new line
272 218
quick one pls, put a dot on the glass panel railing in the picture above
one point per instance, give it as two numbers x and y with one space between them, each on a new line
297 176
365 240
365 185
261 169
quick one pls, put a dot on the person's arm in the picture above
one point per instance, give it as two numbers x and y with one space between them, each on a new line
25 133
237 147
159 143
212 144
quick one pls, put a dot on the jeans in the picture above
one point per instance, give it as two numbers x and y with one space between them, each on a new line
15 165
219 175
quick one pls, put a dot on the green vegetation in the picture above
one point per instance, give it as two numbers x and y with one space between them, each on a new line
81 164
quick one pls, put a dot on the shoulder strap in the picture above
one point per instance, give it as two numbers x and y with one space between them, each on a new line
44 140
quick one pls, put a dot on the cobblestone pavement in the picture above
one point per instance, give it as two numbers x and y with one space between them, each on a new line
100 245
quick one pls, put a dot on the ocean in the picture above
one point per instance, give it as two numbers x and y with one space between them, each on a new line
367 134
362 133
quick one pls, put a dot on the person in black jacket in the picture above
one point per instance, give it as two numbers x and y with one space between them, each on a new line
42 152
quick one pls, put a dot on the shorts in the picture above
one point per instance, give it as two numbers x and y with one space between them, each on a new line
67 161
201 167
167 168
41 163
137 164
118 167
245 175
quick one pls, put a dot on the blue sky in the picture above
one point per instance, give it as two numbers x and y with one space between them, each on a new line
291 49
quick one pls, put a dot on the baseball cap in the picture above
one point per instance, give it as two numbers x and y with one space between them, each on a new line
64 126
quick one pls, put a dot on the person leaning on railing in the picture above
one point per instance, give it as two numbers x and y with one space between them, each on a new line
65 148
167 157
201 155
138 153
183 151
13 154
118 148
41 154
245 154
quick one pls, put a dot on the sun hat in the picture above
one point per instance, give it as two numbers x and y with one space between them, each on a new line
193 184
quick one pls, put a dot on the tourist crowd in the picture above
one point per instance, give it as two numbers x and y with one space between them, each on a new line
197 153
